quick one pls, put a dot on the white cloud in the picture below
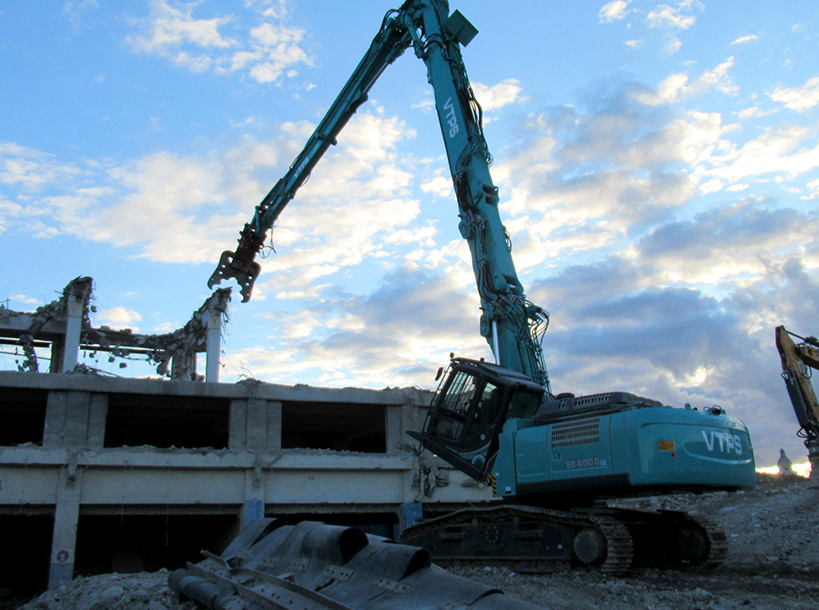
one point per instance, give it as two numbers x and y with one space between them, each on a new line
171 26
31 169
711 186
265 51
785 150
672 45
399 333
269 35
665 16
9 211
277 48
728 245
167 206
275 9
744 39
265 72
813 185
798 98
186 209
498 96
24 299
676 87
440 186
613 11
751 113
75 11
118 317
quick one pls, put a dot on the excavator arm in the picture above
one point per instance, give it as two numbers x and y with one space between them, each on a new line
391 41
511 324
797 362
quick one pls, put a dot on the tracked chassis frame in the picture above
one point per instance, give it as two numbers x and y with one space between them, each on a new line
542 540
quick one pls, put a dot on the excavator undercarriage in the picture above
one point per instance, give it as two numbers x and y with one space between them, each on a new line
529 539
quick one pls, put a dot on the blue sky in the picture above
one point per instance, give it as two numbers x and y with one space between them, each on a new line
658 166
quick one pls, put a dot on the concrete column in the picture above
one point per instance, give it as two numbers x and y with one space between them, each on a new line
75 419
255 425
274 426
237 434
73 328
395 432
57 351
66 517
214 346
97 417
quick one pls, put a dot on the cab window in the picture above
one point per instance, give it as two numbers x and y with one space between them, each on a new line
454 407
487 408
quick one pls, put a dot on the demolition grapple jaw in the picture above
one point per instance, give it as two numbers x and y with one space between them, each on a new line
240 265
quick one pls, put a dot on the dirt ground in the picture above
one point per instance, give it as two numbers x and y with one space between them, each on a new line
771 565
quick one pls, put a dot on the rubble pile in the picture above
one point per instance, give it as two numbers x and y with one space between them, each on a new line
142 591
771 565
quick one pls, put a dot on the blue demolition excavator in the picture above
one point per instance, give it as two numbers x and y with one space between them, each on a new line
553 461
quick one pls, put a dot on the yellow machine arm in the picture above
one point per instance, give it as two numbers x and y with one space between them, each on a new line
798 361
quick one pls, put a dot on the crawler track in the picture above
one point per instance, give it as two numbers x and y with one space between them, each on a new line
542 540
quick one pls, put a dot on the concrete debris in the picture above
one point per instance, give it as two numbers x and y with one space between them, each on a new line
427 476
174 354
28 326
785 507
143 591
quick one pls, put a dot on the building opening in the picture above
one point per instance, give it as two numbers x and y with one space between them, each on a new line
334 426
25 557
146 543
22 416
165 421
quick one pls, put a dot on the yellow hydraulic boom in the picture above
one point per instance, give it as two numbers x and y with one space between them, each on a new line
798 362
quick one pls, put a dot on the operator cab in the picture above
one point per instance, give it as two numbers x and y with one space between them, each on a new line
469 411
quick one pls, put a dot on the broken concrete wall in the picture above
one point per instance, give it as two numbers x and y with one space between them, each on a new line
84 469
65 326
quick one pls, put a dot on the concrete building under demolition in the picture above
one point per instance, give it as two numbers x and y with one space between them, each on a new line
102 474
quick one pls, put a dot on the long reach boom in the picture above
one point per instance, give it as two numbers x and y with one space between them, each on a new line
511 324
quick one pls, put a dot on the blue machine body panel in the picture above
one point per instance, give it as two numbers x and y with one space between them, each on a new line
644 449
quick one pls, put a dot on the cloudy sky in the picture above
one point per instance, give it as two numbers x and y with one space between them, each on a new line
658 166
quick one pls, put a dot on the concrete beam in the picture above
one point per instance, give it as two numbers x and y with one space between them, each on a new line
242 389
169 477
14 323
